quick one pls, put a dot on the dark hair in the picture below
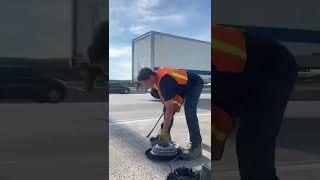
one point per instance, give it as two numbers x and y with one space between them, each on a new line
145 73
98 49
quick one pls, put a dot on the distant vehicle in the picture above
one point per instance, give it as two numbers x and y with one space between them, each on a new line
118 88
20 82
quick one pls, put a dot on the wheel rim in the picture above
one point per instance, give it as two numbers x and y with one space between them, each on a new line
54 95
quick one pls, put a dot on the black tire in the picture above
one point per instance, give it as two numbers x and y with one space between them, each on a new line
55 95
125 91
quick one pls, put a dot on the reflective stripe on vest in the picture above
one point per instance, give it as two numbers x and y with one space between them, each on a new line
177 75
228 49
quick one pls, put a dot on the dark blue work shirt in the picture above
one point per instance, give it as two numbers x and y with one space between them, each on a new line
170 88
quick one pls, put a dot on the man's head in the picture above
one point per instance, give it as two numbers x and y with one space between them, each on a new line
147 77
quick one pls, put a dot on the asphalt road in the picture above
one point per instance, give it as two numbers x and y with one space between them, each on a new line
131 118
64 141
306 92
298 150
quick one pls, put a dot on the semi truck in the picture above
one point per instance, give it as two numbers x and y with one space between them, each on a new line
155 49
49 30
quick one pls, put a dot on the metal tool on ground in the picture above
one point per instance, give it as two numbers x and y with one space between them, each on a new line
154 126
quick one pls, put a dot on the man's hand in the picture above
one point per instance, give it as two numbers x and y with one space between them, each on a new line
164 137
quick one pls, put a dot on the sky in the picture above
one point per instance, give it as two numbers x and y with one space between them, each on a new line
131 18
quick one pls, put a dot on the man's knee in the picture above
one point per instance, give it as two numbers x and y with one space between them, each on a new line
190 110
190 105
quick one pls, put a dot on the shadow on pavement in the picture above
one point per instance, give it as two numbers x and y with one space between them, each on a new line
155 100
299 134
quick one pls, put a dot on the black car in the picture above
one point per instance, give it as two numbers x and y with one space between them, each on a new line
118 88
19 82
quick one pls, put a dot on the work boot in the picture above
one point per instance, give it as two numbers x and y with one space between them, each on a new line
193 152
155 140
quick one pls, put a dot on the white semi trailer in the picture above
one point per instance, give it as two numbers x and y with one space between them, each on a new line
155 49
294 23
46 29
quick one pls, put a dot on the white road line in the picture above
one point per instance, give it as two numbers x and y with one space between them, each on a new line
206 153
147 119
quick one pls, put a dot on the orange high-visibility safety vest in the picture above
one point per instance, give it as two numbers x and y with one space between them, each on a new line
181 78
229 55
228 49
221 127
222 123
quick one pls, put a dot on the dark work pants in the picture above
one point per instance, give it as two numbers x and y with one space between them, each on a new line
269 77
190 108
